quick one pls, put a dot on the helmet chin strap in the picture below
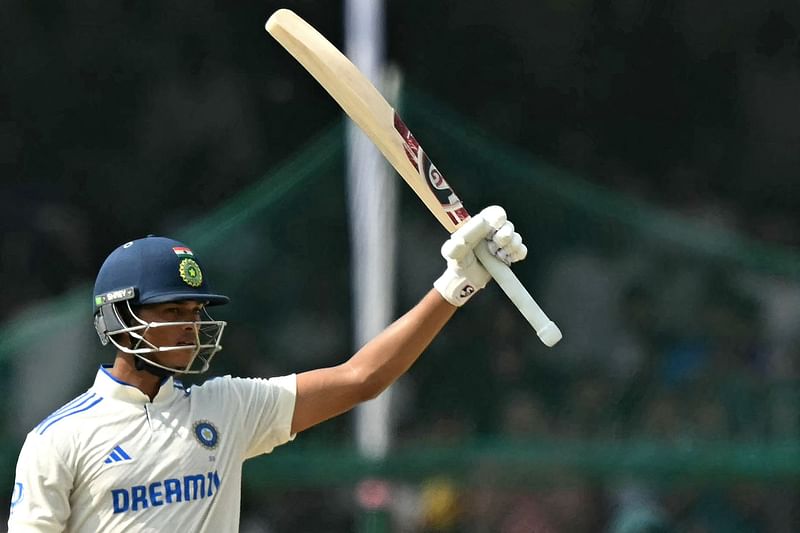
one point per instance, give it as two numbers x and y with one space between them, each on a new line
142 365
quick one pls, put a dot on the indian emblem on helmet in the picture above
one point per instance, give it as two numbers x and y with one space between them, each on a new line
191 273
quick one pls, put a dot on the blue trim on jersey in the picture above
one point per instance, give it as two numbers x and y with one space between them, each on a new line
69 405
73 412
105 368
178 384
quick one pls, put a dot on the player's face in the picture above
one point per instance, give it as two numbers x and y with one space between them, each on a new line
182 335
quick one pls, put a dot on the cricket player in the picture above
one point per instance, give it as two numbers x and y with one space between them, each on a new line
139 452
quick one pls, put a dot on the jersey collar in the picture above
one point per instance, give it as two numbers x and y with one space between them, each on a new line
110 387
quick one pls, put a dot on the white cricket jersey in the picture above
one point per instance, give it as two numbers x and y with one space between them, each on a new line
113 461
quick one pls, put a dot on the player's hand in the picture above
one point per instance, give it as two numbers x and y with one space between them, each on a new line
465 275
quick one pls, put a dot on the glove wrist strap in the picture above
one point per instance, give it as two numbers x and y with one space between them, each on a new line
454 288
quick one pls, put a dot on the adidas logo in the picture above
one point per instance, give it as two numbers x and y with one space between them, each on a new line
117 455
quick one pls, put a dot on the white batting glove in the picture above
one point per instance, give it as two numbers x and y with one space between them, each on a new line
465 275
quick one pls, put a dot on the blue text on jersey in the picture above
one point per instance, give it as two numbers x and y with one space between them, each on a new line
158 493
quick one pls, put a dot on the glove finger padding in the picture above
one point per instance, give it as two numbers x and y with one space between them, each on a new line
455 249
502 237
472 231
494 215
465 275
506 245
520 253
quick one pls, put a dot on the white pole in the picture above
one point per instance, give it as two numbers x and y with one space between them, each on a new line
372 215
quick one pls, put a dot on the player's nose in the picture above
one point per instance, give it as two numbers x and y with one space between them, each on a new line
189 331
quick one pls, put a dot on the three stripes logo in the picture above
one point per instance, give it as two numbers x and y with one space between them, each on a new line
117 455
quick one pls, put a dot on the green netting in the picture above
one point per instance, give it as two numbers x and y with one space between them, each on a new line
279 185
450 133
672 375
533 463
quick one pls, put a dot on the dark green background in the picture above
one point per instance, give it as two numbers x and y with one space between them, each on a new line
656 138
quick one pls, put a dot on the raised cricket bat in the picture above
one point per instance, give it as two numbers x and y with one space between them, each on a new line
372 113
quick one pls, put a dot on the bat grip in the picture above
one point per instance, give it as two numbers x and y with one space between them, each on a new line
545 328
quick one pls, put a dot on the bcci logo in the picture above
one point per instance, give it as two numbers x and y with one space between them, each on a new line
190 272
206 434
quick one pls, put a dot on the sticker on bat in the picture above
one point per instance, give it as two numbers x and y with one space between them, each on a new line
444 194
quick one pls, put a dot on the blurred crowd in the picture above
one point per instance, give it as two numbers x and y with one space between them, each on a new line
690 106
576 506
663 349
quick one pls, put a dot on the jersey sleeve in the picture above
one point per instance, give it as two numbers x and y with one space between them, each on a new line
266 411
40 501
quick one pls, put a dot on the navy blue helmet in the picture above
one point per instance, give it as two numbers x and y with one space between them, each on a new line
149 271
158 269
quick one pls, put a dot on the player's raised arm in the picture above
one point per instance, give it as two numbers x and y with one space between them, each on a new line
362 101
327 392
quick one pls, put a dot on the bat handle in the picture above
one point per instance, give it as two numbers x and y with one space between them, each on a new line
545 328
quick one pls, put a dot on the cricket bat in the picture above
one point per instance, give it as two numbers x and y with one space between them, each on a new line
365 105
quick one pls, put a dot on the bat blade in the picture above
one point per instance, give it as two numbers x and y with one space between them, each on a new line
365 105
362 102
